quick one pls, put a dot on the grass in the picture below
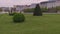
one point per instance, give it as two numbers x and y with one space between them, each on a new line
46 24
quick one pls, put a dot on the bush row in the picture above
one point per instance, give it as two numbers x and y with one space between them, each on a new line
32 9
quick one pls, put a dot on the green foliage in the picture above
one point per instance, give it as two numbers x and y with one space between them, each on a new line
32 9
18 17
11 14
57 8
29 10
44 9
37 11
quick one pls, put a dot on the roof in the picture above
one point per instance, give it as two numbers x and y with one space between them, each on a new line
47 2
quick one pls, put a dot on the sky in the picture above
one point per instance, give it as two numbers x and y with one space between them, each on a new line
10 3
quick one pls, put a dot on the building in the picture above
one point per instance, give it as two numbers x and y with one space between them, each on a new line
50 4
22 7
5 9
33 5
47 4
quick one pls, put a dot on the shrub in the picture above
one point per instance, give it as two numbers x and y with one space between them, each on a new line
32 9
37 11
29 10
18 17
44 9
11 14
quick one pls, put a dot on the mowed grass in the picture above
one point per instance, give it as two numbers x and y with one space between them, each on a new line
46 24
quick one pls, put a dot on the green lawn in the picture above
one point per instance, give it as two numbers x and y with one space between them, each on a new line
46 24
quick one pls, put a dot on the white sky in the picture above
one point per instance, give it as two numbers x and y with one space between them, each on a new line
9 3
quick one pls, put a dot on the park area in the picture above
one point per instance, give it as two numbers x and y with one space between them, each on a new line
46 24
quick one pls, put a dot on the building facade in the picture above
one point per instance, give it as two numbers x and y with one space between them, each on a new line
50 4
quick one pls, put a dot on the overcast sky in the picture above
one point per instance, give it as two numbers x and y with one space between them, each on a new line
9 3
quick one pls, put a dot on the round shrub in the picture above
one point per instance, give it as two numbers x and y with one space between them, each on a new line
18 17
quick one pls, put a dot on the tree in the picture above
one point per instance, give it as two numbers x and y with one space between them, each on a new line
37 11
12 11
